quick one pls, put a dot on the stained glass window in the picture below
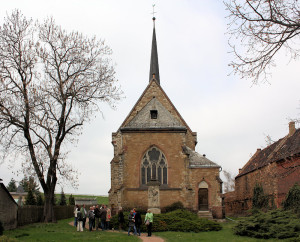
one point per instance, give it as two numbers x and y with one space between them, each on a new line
154 166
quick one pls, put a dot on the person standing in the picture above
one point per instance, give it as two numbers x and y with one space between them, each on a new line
121 219
79 220
108 216
149 221
97 216
84 214
138 222
75 215
103 214
131 223
91 216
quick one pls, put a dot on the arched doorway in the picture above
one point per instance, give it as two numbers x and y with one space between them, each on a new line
203 196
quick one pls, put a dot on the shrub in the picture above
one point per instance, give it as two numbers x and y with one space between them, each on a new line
71 200
178 220
63 200
30 198
39 200
1 228
259 200
292 200
173 207
273 224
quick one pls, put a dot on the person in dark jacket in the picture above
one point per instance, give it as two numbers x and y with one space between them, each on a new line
97 216
138 222
103 213
91 217
131 223
121 219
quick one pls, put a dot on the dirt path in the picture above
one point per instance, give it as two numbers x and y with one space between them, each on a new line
143 236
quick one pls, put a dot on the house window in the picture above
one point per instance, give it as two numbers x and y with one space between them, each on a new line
154 166
153 114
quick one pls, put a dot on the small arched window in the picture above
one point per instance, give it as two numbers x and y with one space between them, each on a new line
154 166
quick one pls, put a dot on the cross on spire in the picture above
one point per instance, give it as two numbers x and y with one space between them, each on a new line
153 12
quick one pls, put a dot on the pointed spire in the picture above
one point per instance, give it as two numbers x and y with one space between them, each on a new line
154 70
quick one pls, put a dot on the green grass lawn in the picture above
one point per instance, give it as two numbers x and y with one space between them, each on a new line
62 231
100 199
225 234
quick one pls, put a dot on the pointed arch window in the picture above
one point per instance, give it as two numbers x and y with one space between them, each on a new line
154 166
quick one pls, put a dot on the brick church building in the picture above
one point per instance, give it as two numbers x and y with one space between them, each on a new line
155 163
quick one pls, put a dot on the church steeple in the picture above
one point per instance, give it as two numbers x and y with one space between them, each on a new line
154 70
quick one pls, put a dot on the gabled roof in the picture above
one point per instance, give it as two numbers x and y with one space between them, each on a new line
8 193
164 119
198 161
134 109
281 149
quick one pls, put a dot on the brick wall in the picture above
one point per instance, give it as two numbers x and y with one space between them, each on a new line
288 174
276 179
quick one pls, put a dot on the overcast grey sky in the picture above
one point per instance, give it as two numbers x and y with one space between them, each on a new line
230 115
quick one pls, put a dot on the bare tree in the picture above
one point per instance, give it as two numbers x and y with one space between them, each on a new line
51 82
268 139
229 181
263 28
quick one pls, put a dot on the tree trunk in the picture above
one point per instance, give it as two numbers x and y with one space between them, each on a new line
49 215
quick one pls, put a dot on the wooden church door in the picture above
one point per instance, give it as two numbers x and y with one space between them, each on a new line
203 199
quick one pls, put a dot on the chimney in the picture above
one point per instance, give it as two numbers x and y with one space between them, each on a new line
240 170
292 128
258 150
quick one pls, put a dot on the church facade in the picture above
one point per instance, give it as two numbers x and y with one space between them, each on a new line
155 163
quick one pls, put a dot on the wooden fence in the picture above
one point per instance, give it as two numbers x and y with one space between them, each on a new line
34 214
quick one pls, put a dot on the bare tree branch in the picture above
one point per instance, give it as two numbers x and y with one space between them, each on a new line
263 27
51 82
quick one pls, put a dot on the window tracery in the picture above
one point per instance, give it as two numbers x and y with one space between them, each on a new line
154 166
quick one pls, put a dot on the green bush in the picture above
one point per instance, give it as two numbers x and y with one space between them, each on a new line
39 200
273 224
71 200
259 200
30 198
292 200
1 228
173 207
178 220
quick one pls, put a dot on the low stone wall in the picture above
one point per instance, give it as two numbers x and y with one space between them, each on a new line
34 214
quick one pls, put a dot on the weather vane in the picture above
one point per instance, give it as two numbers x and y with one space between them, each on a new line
153 5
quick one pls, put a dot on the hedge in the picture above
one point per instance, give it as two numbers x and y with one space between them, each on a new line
278 224
178 220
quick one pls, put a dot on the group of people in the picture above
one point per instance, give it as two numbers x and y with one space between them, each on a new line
98 217
135 221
